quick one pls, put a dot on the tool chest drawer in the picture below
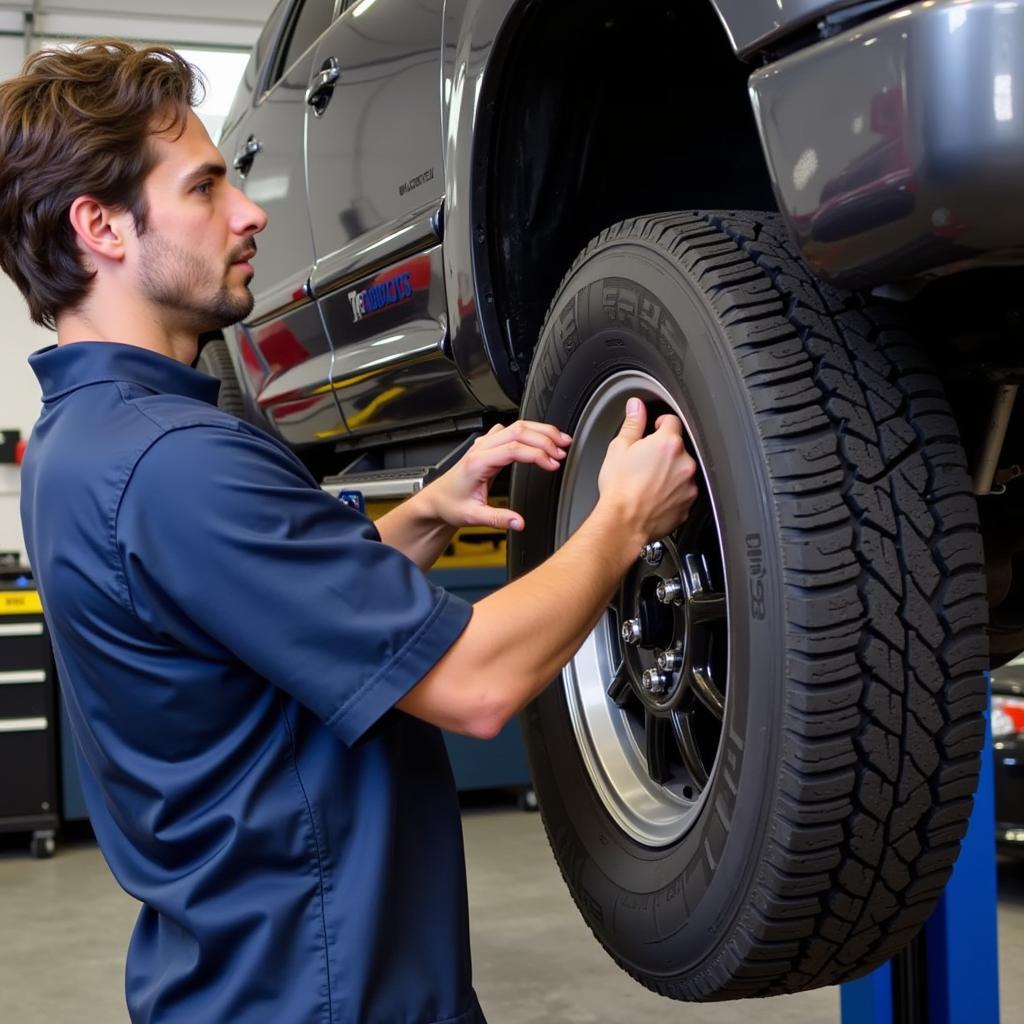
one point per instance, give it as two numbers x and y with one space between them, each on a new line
23 693
28 763
27 784
25 669
23 645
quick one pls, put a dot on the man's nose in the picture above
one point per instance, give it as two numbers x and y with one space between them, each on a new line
249 218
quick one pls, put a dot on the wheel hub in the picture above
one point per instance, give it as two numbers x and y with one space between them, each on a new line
670 608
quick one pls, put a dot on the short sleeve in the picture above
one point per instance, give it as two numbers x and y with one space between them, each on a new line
223 531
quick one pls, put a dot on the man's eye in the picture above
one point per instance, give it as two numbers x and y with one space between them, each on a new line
204 187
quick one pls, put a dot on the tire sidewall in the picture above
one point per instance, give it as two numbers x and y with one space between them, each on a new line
628 306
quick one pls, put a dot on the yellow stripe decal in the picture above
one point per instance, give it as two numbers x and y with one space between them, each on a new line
20 602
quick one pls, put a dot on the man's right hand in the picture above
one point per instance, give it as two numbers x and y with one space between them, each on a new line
648 482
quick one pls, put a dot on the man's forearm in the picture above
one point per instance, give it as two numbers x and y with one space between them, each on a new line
521 635
415 529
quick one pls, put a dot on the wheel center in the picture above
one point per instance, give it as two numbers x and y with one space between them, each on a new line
654 600
657 619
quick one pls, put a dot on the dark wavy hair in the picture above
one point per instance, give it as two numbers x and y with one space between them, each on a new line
78 122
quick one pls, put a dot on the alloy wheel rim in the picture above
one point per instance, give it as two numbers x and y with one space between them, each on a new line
647 691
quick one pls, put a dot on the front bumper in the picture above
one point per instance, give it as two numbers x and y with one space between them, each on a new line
897 148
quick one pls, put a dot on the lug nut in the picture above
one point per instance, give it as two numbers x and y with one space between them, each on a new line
631 631
669 591
669 661
652 553
654 682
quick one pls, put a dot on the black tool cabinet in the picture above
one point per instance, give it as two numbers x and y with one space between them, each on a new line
28 729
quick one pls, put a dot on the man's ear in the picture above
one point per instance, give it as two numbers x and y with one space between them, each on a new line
101 231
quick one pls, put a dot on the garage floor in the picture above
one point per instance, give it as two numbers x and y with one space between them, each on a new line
64 926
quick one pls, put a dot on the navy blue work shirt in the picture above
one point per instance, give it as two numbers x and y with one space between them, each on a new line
231 641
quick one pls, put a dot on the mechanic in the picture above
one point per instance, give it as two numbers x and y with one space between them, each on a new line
255 673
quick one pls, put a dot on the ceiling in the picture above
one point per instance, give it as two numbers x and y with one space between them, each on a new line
197 22
226 10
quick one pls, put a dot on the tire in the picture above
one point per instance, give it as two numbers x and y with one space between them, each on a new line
215 360
781 808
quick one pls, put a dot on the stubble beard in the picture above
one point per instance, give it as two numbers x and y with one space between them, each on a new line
179 282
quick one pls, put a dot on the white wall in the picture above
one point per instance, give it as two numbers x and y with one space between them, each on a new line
195 22
19 392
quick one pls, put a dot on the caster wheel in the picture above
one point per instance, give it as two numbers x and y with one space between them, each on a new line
527 800
43 845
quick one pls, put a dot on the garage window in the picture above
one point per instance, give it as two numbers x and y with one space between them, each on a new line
221 71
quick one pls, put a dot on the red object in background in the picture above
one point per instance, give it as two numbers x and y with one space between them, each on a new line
280 348
19 451
1007 716
10 442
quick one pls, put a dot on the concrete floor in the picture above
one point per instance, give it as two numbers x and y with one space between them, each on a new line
64 927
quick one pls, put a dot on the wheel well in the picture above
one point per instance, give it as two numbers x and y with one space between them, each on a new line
601 111
972 323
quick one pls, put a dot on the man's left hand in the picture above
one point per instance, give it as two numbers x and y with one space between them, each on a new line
460 495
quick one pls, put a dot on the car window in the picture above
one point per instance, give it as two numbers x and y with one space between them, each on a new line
266 38
309 20
261 52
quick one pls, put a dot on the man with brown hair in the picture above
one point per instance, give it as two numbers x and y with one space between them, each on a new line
254 679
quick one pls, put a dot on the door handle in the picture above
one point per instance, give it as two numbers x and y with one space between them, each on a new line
245 156
321 89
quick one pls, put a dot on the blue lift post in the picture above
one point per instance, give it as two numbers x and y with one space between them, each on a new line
950 974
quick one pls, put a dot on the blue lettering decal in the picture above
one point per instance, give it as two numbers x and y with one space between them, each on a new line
380 296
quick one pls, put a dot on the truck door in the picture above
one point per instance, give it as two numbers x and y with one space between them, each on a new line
266 158
376 181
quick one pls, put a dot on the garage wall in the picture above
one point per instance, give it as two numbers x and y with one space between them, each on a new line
236 23
19 394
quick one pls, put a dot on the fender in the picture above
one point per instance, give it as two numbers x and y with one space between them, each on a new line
475 35
471 28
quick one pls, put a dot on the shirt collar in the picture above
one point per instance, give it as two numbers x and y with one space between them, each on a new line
62 369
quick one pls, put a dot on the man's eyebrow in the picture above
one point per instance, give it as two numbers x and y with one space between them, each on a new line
208 170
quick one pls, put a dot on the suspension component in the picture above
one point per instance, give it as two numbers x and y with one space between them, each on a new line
988 461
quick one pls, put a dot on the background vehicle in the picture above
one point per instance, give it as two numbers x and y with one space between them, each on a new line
756 772
1008 741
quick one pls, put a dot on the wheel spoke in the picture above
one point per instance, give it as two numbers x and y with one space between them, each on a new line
698 519
657 735
707 692
682 726
707 606
619 689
